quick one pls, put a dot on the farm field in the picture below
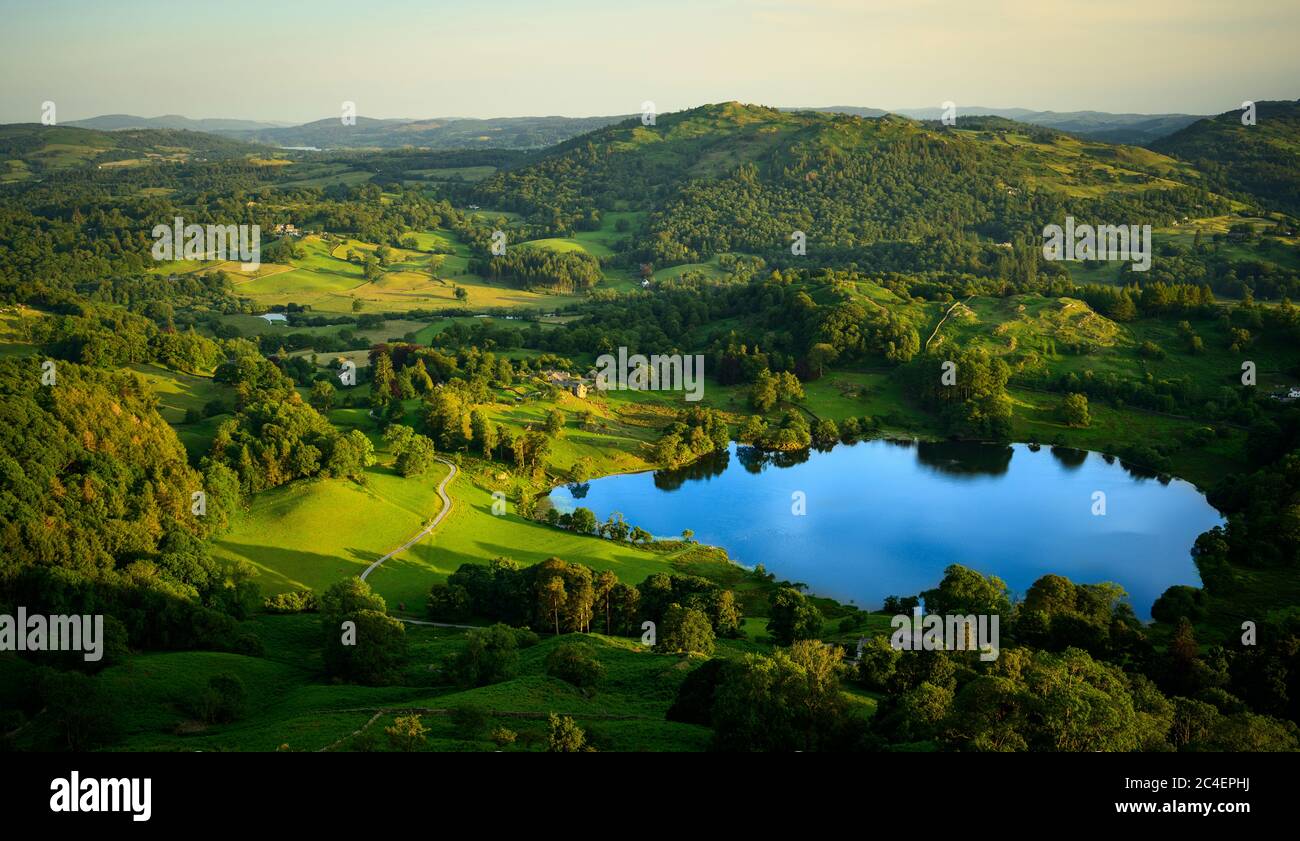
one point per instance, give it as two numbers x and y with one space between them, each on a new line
179 392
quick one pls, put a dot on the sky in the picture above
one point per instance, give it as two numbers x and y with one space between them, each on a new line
299 60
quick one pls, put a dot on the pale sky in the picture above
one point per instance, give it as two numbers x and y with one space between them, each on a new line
298 60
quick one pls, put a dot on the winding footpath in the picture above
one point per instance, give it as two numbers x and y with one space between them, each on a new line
433 524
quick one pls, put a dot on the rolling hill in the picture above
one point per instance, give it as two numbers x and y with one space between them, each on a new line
1262 160
734 177
118 122
442 133
27 149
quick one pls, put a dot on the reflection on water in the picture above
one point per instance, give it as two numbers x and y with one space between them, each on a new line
885 517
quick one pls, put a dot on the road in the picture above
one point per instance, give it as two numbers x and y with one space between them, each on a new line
433 524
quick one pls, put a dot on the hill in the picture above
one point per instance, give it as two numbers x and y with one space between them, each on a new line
27 149
1262 160
733 177
1093 125
117 122
441 133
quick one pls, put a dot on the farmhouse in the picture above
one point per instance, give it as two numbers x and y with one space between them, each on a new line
562 379
275 317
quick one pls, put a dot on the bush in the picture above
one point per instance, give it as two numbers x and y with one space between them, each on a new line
469 720
296 601
490 656
503 736
222 701
448 603
1179 601
687 630
575 663
694 702
407 733
566 736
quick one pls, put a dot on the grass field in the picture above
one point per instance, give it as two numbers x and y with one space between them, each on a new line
311 534
178 392
290 705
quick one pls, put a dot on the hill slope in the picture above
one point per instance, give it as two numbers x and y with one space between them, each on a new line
27 149
735 177
1262 160
117 122
442 133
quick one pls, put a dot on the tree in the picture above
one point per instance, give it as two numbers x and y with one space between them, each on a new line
575 663
754 430
553 597
792 617
555 422
483 433
685 630
322 395
788 387
566 736
491 655
1074 410
416 457
223 699
763 394
449 603
604 592
407 733
964 591
362 643
583 520
382 380
786 702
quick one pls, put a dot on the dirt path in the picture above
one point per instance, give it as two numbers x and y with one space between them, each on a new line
446 506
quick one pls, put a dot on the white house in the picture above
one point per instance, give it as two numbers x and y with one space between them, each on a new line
275 317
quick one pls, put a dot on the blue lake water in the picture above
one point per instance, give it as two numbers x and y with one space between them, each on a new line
884 517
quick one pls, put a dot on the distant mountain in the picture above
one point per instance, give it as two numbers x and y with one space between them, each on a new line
1262 161
440 133
118 122
1131 129
540 132
851 110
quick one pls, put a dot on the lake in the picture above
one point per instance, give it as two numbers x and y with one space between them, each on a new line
886 517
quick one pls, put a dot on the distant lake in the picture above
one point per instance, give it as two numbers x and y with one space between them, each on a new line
885 517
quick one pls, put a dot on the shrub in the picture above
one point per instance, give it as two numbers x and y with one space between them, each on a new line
575 663
469 720
222 701
296 601
566 736
407 733
448 603
1179 601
